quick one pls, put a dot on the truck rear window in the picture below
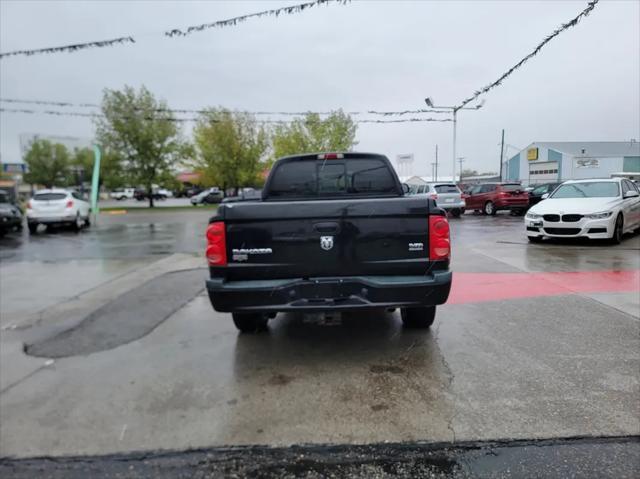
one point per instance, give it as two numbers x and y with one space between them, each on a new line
314 178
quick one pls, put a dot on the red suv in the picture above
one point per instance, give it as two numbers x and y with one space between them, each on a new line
493 197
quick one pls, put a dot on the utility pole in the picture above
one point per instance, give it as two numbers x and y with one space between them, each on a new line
436 162
501 154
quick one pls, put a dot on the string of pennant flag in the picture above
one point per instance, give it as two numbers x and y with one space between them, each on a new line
64 104
190 119
174 32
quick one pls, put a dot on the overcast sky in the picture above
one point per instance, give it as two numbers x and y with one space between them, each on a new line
383 55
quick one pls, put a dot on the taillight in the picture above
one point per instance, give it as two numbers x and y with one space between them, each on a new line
29 205
330 156
434 196
216 244
439 244
70 204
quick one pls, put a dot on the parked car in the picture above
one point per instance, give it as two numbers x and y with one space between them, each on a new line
165 193
57 207
446 195
332 232
210 196
493 197
586 208
537 191
188 192
122 194
10 214
246 194
141 194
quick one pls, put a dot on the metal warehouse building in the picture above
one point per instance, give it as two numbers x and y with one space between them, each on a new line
568 160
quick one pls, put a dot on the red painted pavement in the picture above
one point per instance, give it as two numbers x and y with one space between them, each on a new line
479 287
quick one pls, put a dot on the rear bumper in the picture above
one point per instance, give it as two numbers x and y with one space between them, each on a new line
332 293
45 220
459 205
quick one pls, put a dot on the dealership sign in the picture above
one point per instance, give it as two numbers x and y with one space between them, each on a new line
532 154
587 163
15 168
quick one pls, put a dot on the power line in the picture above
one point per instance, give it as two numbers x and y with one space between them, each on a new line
571 23
200 111
174 32
99 115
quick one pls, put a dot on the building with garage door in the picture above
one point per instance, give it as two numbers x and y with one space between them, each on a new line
544 162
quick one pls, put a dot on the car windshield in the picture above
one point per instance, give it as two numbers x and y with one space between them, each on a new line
591 189
49 196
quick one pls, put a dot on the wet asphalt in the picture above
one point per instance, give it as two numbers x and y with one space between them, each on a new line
147 365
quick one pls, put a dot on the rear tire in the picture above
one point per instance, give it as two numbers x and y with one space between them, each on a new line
456 213
33 228
489 208
418 318
77 224
250 322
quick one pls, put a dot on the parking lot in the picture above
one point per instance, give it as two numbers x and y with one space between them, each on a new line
109 345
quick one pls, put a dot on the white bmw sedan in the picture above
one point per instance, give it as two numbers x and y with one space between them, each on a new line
596 209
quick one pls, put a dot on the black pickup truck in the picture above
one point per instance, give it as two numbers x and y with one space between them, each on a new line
332 231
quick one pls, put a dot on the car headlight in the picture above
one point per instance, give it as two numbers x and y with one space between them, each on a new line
599 216
533 216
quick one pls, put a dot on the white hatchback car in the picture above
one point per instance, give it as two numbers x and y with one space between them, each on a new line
57 207
596 209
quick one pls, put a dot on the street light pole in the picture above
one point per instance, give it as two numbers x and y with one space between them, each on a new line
455 123
454 111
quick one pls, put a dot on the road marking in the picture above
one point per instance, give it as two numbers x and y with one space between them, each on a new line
124 429
481 287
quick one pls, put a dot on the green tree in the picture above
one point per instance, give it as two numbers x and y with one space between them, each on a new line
48 164
140 130
312 134
229 148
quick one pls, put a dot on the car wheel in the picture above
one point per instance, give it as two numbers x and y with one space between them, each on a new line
33 228
489 208
456 213
78 223
418 318
250 322
618 231
535 239
87 221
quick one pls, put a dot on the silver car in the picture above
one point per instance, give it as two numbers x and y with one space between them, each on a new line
446 195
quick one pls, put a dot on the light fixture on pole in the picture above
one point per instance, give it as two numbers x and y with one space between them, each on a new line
460 160
454 110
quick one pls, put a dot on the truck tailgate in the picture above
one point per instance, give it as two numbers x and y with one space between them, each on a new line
377 236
